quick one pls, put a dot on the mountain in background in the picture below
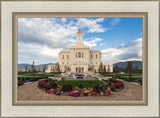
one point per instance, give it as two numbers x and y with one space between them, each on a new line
124 64
37 67
42 66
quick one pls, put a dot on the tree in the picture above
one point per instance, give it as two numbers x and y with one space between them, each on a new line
44 69
116 69
32 67
136 69
58 68
108 68
26 68
39 69
129 69
51 69
121 69
90 68
29 70
104 69
101 69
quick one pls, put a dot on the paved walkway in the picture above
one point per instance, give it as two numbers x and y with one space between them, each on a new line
131 92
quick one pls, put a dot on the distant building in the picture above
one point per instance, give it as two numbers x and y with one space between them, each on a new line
52 69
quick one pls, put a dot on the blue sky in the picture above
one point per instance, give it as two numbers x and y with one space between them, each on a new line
41 39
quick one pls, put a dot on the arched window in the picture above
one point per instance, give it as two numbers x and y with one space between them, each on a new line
82 54
79 54
91 56
96 56
76 54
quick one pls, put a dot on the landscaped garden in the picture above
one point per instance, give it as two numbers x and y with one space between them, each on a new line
135 77
86 83
29 77
77 88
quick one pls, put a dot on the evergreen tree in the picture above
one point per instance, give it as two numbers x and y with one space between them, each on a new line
44 69
51 69
26 68
129 69
108 68
32 67
29 71
116 69
104 69
58 68
101 69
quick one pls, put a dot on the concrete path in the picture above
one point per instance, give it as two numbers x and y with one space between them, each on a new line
131 92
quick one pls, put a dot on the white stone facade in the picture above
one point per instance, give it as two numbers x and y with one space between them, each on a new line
80 58
52 69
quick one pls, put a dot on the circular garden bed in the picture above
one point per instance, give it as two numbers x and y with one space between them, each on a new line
71 88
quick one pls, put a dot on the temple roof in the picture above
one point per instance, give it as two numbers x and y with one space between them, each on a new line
79 32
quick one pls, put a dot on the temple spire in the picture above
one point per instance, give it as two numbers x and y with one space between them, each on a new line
79 37
79 32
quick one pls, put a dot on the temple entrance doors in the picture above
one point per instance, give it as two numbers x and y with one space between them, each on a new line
82 70
79 69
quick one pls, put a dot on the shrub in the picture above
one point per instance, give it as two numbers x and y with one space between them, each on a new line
43 84
67 87
113 80
99 88
109 83
119 84
103 88
81 86
20 82
112 87
53 85
47 87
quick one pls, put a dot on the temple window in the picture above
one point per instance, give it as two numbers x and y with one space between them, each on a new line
91 56
96 55
76 54
79 54
67 56
82 54
62 56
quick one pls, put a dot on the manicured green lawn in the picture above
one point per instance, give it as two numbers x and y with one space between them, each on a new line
125 75
86 83
35 74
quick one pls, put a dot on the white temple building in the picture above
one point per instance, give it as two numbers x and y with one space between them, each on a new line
80 58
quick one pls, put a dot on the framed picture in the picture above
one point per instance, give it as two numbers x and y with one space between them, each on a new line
79 59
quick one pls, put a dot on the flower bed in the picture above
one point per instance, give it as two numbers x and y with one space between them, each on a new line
114 85
68 90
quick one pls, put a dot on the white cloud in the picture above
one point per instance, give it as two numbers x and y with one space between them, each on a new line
129 51
46 32
115 21
91 24
64 20
92 43
45 37
101 44
36 50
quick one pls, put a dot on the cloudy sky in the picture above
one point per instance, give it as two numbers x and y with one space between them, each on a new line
41 39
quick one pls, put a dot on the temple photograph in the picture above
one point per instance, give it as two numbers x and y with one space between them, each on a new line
84 59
